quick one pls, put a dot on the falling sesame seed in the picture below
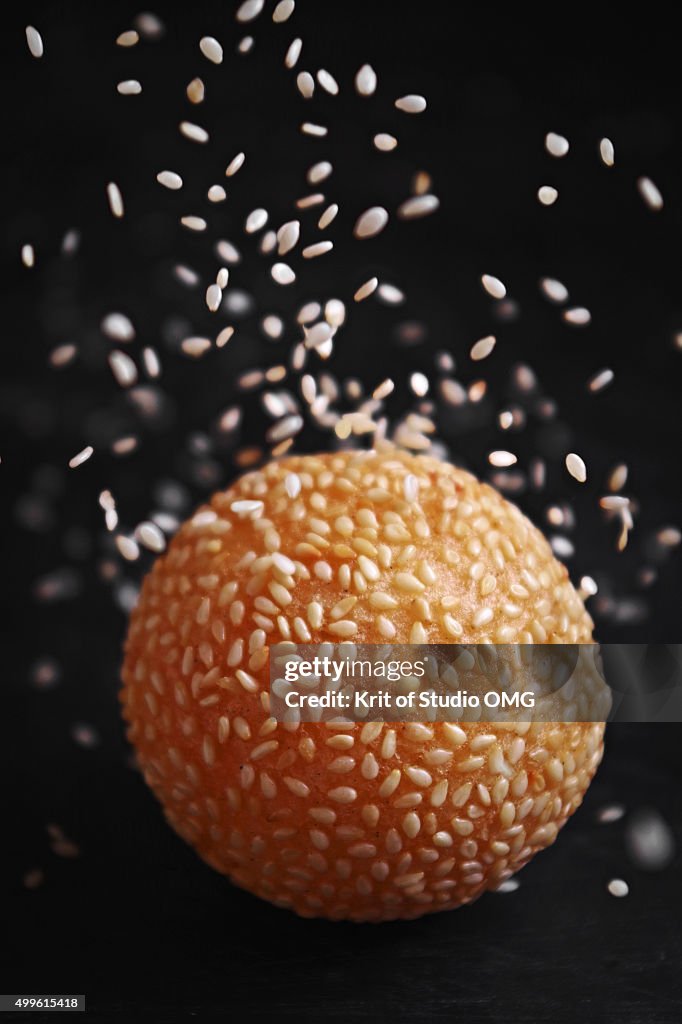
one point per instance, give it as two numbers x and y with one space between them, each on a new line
371 222
216 194
305 83
81 457
246 44
556 145
118 327
501 459
151 537
285 428
578 316
588 586
130 87
600 380
129 38
151 362
607 152
293 53
365 290
482 348
384 389
319 172
390 294
649 840
617 887
554 290
214 297
385 142
328 216
318 334
127 548
235 164
418 206
123 368
576 467
169 179
547 195
115 199
328 82
288 236
411 104
366 80
256 220
28 256
650 193
493 286
283 11
282 274
318 249
618 477
419 384
194 223
149 25
196 91
669 536
316 130
193 131
224 337
211 49
249 10
195 346
34 41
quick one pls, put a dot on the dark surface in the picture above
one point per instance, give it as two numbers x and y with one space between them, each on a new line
136 922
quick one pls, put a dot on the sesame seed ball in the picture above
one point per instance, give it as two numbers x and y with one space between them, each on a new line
372 821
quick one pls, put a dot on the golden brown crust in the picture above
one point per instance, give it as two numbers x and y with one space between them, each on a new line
373 821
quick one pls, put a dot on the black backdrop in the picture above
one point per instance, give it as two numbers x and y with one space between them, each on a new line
135 921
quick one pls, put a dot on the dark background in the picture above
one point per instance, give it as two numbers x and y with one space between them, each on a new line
135 921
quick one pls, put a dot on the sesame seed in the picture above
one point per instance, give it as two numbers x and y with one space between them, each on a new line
81 457
493 286
502 459
283 11
579 316
293 53
129 38
619 888
366 80
418 206
34 41
556 145
169 179
328 82
211 49
554 290
411 104
235 164
282 274
129 87
371 222
365 290
384 142
316 130
305 84
482 348
547 195
576 467
600 380
318 249
328 216
115 199
607 152
194 132
249 10
196 91
650 193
